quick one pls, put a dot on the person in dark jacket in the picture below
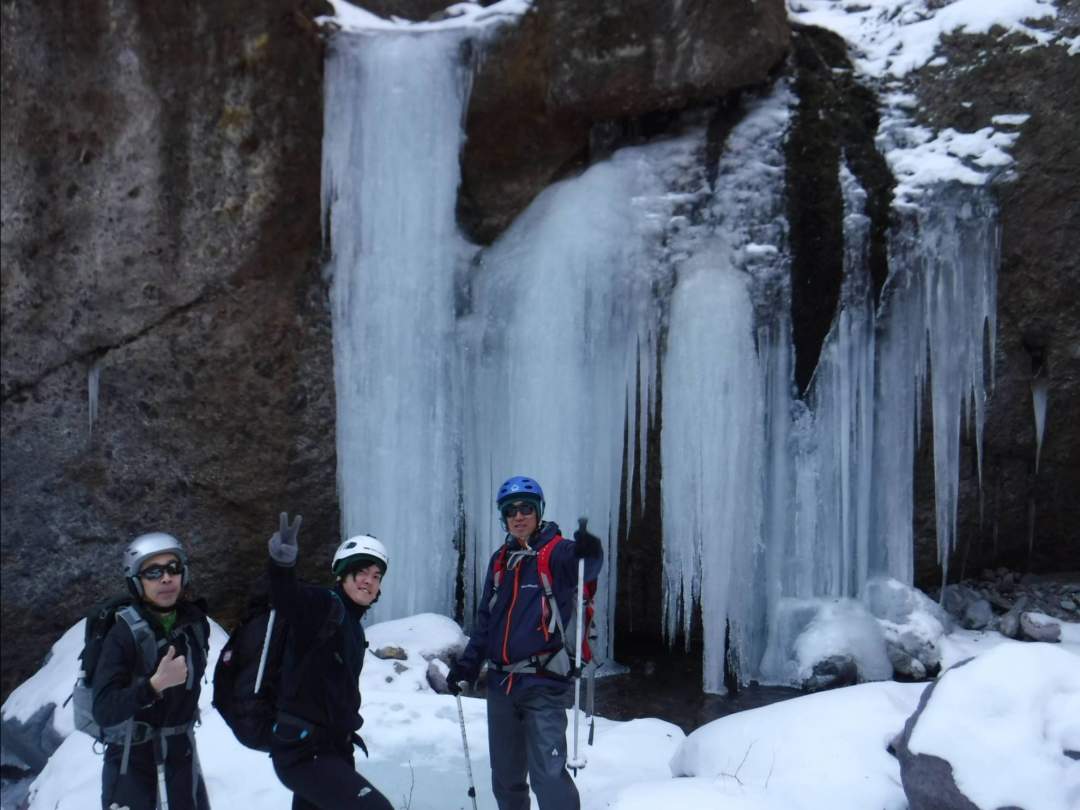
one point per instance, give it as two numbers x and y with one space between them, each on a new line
157 706
528 682
319 697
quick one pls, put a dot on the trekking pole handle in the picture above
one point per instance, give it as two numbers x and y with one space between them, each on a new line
265 650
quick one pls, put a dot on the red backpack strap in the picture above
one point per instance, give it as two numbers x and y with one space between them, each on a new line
497 571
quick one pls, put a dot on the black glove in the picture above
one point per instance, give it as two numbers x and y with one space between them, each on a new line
587 544
456 676
283 545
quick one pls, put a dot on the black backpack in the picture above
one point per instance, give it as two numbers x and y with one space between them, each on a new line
99 622
251 715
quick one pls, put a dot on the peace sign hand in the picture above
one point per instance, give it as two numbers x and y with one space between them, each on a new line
283 545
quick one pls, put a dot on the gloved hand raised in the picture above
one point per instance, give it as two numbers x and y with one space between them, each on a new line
283 546
586 544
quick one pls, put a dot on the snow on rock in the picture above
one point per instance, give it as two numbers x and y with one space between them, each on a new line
800 754
458 15
403 653
1002 729
894 37
911 622
815 643
35 719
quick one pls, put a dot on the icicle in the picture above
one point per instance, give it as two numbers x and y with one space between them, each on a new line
1039 395
716 432
563 328
712 447
393 133
93 378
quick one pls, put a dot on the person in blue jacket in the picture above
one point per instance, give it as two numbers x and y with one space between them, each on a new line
529 680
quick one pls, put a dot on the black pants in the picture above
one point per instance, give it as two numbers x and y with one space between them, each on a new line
328 781
137 789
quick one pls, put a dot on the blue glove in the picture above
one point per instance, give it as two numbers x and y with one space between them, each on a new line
283 546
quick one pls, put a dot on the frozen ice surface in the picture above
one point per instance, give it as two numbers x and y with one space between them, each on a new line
390 176
807 631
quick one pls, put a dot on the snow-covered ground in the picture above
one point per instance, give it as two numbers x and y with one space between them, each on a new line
823 750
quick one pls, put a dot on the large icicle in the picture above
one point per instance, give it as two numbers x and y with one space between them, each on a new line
712 443
1040 390
393 133
717 431
562 313
954 239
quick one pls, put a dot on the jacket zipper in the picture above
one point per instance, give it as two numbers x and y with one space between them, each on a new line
509 617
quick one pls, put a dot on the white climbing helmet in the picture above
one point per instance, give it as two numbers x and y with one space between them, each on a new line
360 548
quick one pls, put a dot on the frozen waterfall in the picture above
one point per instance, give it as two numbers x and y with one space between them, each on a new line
545 355
394 106
560 341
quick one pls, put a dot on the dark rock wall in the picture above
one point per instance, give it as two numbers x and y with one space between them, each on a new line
1038 310
543 88
160 220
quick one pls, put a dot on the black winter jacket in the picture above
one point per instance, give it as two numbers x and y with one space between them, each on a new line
122 691
122 685
319 681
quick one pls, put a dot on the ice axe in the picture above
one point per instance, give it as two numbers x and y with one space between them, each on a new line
577 761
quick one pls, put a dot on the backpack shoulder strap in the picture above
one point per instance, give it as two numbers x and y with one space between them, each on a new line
145 641
543 562
498 569
334 618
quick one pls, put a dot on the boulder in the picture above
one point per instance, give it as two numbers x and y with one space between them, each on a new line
912 624
977 615
546 86
972 721
1037 627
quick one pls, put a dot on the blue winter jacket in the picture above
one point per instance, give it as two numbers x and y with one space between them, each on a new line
513 628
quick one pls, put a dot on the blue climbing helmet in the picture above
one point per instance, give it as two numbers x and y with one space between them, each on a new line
520 488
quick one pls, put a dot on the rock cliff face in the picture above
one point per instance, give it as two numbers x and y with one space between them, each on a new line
161 237
1021 517
160 232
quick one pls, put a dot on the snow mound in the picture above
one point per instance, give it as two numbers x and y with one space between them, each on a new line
1005 721
807 632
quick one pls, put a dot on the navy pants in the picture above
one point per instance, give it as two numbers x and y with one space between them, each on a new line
527 735
329 781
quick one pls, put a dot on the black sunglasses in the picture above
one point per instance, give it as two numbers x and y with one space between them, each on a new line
173 569
522 508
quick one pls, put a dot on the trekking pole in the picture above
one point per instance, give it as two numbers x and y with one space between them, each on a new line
577 761
265 650
465 745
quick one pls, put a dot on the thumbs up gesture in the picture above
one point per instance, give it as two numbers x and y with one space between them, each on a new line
171 671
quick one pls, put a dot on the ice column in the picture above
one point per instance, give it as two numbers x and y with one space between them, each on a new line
562 320
957 247
834 462
726 480
712 446
393 133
